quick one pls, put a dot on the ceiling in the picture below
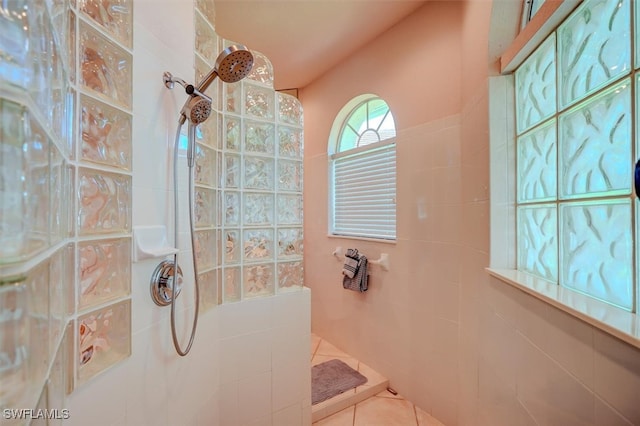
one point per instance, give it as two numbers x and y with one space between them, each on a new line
305 38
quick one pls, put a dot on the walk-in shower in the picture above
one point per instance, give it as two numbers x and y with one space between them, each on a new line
232 65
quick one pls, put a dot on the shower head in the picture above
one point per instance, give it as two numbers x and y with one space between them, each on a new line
197 109
233 64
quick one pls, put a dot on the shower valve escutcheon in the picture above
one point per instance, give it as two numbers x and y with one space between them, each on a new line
165 283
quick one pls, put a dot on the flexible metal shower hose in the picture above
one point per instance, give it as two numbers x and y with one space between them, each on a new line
174 335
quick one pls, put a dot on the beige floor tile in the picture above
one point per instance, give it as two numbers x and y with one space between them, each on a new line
425 419
341 418
377 411
326 348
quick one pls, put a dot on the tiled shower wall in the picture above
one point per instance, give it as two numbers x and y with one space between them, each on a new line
65 216
249 164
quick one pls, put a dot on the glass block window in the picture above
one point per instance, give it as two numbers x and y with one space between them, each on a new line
363 171
575 155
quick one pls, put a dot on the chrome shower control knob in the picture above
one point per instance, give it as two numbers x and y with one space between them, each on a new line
162 283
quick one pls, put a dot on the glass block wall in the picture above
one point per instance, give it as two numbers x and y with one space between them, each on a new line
249 161
575 154
65 195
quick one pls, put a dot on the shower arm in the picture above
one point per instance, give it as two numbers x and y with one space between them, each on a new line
190 89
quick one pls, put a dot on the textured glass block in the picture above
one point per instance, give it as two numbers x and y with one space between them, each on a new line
537 164
39 75
259 101
232 208
259 137
36 166
232 133
536 86
594 48
61 376
232 171
597 250
14 343
290 142
37 284
72 124
103 339
208 10
233 97
289 209
106 134
538 241
595 145
207 132
258 173
290 276
204 207
14 43
104 202
105 68
262 70
208 290
104 271
60 105
205 249
289 110
290 243
60 20
25 192
61 290
115 16
60 199
258 244
70 190
232 284
205 167
232 247
258 280
206 40
258 209
71 46
290 175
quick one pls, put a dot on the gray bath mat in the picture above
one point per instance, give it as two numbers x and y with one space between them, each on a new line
332 378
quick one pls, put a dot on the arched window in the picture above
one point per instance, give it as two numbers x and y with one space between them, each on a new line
362 170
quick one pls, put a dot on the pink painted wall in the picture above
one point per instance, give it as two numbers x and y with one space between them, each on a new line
468 349
406 325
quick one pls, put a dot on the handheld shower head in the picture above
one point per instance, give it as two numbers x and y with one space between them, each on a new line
233 64
197 109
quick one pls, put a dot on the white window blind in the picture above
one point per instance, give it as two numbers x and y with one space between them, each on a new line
364 191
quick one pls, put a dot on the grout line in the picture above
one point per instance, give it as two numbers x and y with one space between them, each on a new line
354 414
415 413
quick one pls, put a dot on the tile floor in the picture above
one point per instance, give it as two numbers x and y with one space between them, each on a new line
381 409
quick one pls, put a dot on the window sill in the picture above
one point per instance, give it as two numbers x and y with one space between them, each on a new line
373 240
614 321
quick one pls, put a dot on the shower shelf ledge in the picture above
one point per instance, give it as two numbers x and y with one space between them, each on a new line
150 242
